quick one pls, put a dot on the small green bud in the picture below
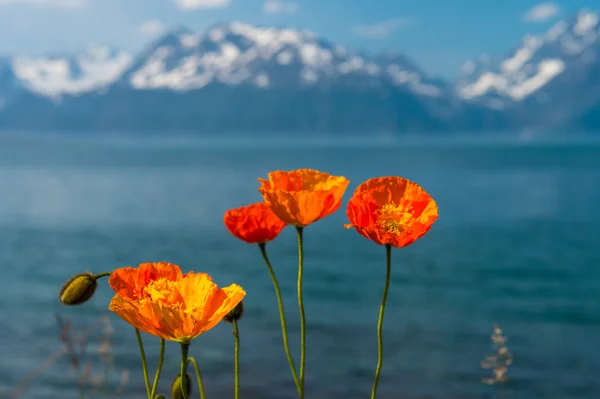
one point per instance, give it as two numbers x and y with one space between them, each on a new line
235 313
176 387
79 289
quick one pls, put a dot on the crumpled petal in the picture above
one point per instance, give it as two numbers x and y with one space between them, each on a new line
303 196
415 208
158 299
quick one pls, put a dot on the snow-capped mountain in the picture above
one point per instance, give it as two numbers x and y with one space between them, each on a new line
93 69
240 77
234 76
265 57
538 68
231 54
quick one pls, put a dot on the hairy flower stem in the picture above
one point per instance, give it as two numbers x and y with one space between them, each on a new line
144 362
236 359
284 333
184 360
161 357
300 229
100 275
198 376
388 272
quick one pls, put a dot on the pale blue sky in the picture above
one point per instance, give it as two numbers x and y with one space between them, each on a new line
440 35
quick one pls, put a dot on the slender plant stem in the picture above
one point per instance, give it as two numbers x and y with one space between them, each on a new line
300 229
144 362
198 376
388 272
161 357
284 333
236 359
161 396
184 360
100 275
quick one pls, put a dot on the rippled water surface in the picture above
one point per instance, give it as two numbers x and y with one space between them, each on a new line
517 243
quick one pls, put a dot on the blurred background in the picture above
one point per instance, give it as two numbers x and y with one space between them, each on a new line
127 129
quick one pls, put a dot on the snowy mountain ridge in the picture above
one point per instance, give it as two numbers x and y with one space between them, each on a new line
236 76
239 53
534 64
230 54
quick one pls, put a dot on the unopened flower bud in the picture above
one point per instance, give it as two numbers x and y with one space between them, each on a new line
78 289
235 313
176 387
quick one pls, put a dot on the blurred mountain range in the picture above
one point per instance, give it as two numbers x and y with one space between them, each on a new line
238 77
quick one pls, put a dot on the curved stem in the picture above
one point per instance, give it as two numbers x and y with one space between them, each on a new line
284 333
161 357
299 229
388 272
198 376
184 361
161 396
100 275
144 362
236 336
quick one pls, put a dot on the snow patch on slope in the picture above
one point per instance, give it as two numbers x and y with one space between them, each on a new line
586 22
190 40
96 68
547 70
524 54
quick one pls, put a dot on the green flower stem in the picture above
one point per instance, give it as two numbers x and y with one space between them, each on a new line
161 396
158 368
100 275
144 362
388 272
184 361
284 333
299 229
236 361
198 376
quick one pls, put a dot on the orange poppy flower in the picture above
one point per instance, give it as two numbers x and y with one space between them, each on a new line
301 197
255 223
391 210
158 299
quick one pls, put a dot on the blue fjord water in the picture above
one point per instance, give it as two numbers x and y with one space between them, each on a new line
517 243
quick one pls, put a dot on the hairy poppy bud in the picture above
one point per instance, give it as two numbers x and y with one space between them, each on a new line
176 387
235 313
78 289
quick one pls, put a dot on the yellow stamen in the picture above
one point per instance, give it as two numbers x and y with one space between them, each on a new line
394 219
161 290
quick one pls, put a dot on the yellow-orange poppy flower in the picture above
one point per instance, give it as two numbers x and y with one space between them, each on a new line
158 299
301 197
255 223
391 210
